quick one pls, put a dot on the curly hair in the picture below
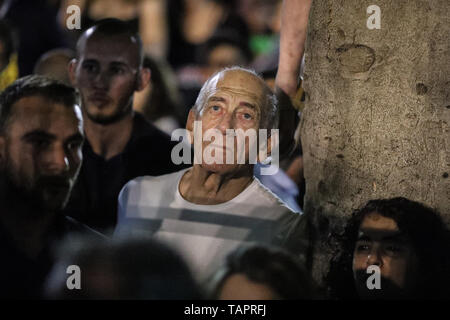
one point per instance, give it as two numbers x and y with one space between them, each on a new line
429 236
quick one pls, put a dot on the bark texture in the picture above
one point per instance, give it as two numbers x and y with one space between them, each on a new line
377 109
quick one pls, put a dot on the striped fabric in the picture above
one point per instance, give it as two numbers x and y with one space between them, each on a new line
204 234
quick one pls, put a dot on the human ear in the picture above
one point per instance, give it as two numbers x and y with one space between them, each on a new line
190 125
71 69
143 79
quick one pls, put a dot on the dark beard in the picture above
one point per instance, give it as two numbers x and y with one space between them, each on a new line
106 120
49 193
115 117
18 198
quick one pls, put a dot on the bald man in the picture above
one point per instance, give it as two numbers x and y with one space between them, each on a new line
210 209
120 144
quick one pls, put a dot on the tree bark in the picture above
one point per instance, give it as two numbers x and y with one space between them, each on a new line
375 123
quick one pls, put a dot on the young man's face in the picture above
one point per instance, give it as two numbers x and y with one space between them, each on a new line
233 102
106 74
41 152
381 243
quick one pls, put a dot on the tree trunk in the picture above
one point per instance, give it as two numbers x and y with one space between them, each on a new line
375 123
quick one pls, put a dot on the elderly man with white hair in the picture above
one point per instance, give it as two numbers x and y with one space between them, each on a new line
211 208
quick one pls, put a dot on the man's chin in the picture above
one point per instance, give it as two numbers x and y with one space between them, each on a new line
104 116
225 169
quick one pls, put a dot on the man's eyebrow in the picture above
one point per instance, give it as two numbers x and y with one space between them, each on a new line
119 64
45 135
38 133
241 104
399 237
248 105
217 99
383 235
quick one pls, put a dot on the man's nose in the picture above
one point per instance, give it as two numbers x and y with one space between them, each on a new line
101 80
375 256
226 122
56 161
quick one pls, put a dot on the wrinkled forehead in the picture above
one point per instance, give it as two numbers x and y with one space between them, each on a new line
237 84
241 81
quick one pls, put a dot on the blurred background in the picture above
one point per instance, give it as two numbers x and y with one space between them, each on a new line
185 41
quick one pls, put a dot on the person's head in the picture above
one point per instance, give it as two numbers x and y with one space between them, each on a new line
41 135
226 48
53 64
122 269
108 70
238 99
260 272
406 240
161 97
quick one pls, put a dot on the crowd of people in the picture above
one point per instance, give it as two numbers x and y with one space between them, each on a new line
88 176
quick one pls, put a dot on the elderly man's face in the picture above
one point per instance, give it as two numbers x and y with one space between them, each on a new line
107 74
41 152
381 243
234 101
